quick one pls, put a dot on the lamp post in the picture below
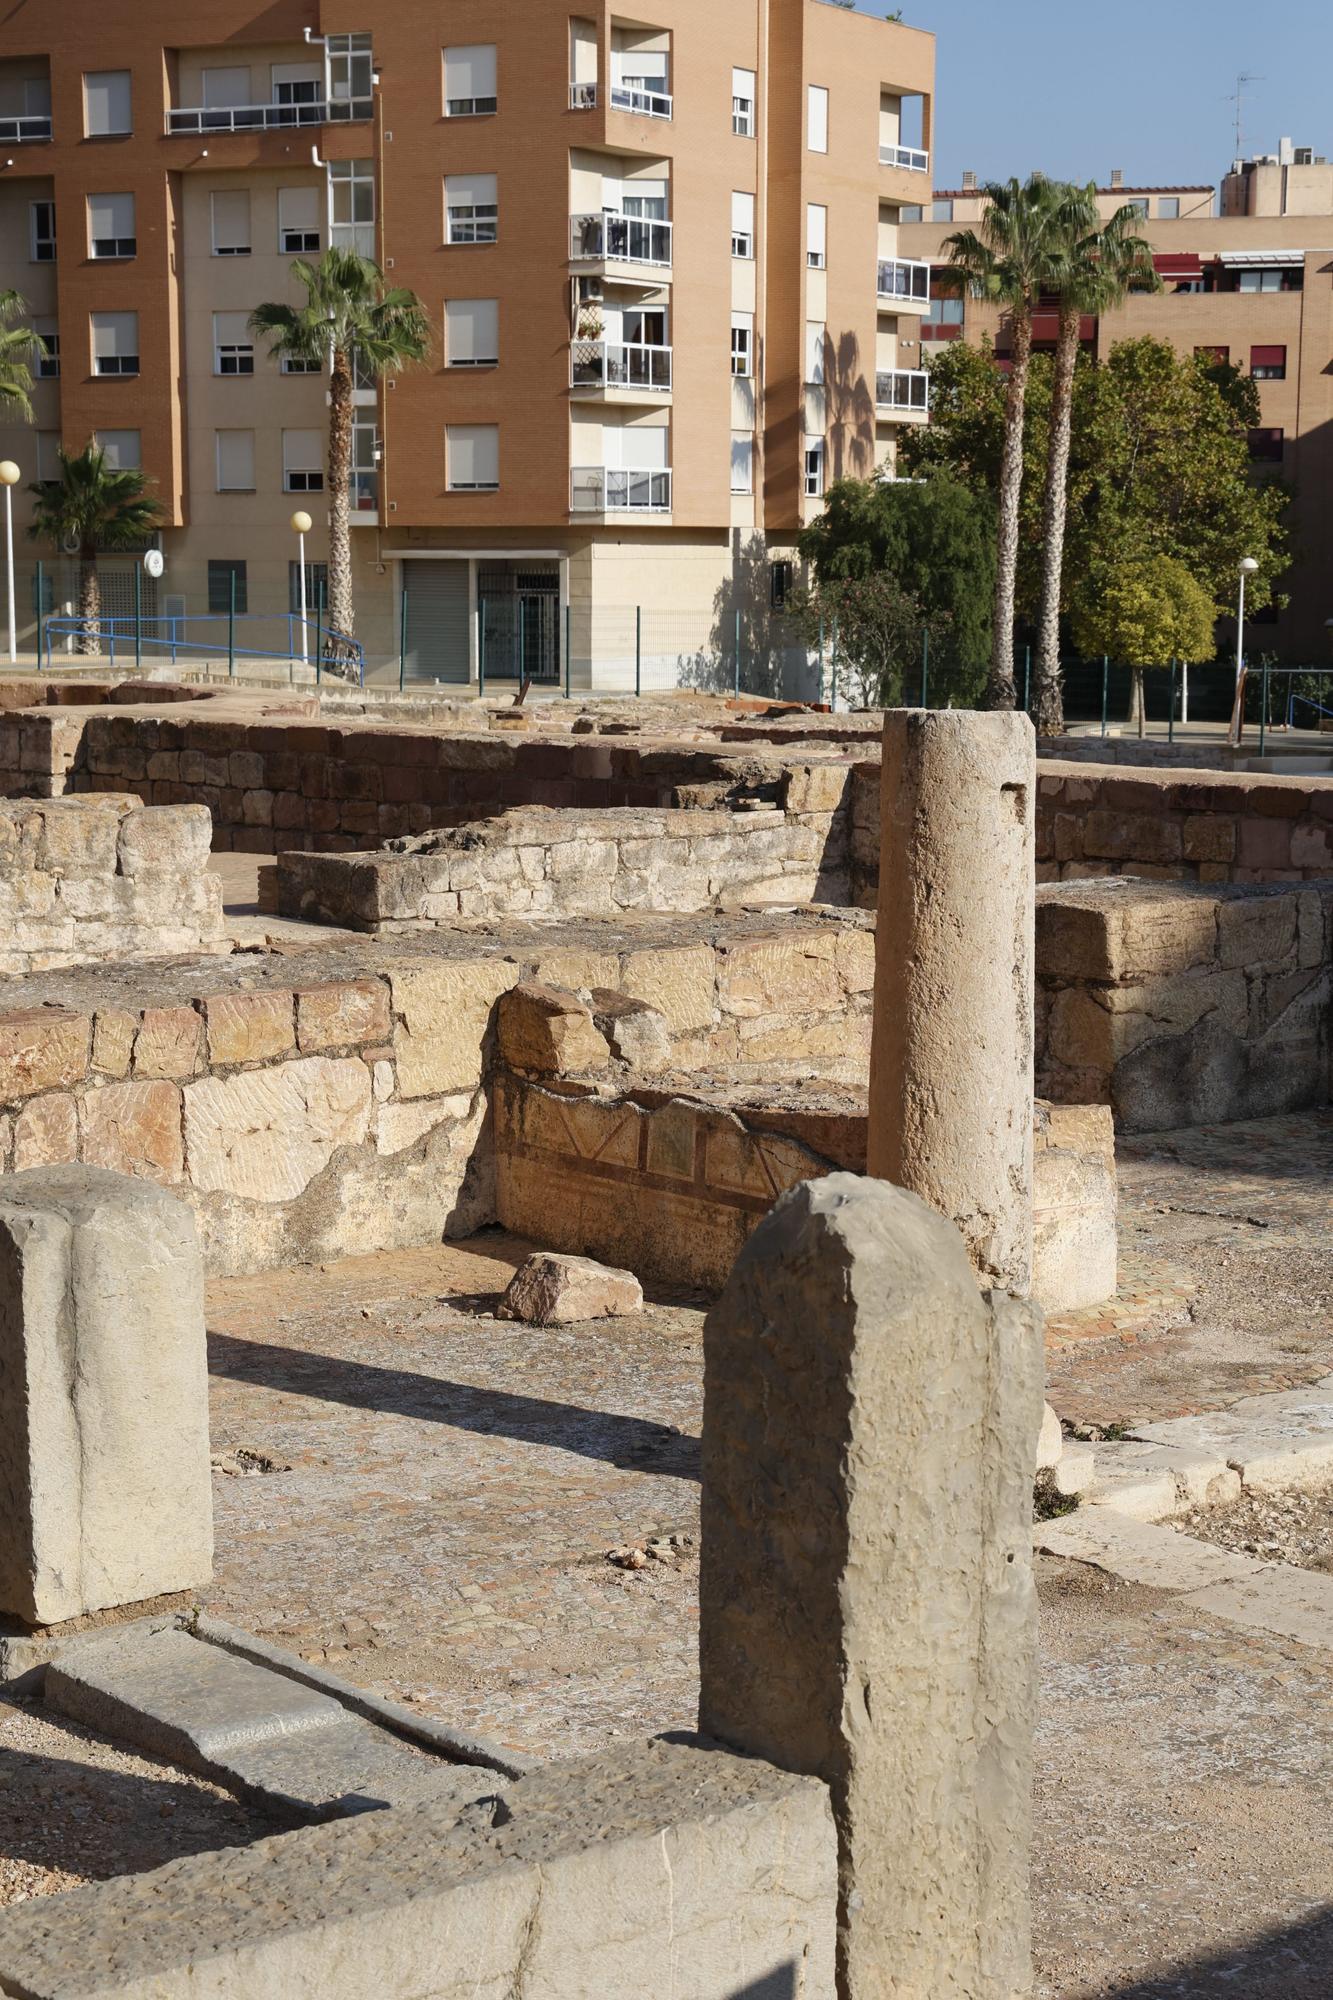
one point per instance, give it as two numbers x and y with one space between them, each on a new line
301 526
10 476
1248 568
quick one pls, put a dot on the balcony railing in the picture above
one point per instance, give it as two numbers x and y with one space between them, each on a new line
603 489
22 131
911 157
611 238
902 389
620 364
641 97
269 117
583 96
899 280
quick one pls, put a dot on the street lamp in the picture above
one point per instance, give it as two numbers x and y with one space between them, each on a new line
1248 568
301 526
10 476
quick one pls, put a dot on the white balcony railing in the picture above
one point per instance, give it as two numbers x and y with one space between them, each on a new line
911 157
899 280
639 95
583 96
604 489
902 389
611 238
620 364
269 117
22 131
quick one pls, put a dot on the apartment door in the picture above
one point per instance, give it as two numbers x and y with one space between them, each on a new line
520 621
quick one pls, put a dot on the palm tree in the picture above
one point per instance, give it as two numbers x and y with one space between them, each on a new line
1093 267
93 506
349 321
1007 260
19 348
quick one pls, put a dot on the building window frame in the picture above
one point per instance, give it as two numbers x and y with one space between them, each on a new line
221 570
106 249
303 477
743 98
41 232
814 467
469 224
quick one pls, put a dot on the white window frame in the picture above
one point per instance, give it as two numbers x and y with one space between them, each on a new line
104 76
814 468
474 485
41 246
349 68
232 357
470 223
477 360
102 439
816 236
742 230
358 232
291 365
742 346
744 442
481 104
116 245
118 366
234 196
743 103
304 477
295 239
229 486
816 118
46 366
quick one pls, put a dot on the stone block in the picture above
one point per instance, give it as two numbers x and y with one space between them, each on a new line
134 1128
790 974
169 1042
46 1132
1255 929
442 1016
636 1033
42 1048
343 1014
248 1027
1050 1440
398 1126
1209 837
551 1290
166 840
677 980
1117 931
265 1134
547 1031
104 1440
1074 1250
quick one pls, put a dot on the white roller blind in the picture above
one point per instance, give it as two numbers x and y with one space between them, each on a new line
817 117
123 449
474 454
816 233
742 83
115 335
299 208
469 72
232 329
236 461
231 221
643 449
225 89
742 214
110 217
302 451
106 98
472 330
471 190
302 72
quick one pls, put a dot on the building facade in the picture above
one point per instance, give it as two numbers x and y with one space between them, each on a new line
1247 279
661 261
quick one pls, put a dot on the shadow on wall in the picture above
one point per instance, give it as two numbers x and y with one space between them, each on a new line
773 661
849 411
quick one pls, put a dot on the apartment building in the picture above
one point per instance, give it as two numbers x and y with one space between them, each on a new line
660 256
1246 277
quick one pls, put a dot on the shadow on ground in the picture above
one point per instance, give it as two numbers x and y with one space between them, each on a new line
1293 1963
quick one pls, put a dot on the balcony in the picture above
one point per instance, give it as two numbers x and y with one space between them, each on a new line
604 489
269 117
24 131
621 371
641 95
903 284
911 157
611 238
905 392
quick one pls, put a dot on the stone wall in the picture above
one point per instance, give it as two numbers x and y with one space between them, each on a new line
1160 826
540 862
1184 1005
89 879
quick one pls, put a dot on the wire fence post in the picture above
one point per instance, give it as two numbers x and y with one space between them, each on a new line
569 635
138 614
925 665
736 679
833 671
1027 680
821 660
638 649
522 639
1171 710
1106 682
402 640
231 623
1263 712
41 616
319 633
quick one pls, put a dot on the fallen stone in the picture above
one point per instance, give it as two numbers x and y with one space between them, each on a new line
1153 1481
636 1033
1074 1471
1050 1440
549 1032
554 1290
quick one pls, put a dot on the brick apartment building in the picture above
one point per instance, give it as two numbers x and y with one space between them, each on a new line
660 255
1248 278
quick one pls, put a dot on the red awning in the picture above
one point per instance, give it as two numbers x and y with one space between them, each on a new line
1268 357
1178 264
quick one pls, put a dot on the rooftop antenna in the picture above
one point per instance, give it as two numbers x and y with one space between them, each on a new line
1245 78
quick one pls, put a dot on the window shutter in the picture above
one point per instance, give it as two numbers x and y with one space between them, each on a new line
115 335
106 101
471 190
236 461
226 89
231 221
473 330
1268 357
469 72
742 214
299 209
816 231
110 217
817 100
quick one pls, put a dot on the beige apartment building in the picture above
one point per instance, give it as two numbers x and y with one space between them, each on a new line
1248 278
660 255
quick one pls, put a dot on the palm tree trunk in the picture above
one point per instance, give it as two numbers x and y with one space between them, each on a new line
1137 700
90 602
1050 697
341 612
1000 689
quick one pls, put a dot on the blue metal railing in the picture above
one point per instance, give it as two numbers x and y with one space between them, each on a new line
319 646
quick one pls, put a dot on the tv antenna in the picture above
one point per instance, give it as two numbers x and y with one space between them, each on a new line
1243 81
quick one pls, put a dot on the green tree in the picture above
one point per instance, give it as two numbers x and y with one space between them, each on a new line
19 348
1094 266
350 321
1007 260
873 628
93 508
1144 612
936 538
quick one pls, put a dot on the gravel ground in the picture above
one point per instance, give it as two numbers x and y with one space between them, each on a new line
1295 1528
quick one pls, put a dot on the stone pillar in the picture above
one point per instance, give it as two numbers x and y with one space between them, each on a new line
867 1605
105 1494
951 1062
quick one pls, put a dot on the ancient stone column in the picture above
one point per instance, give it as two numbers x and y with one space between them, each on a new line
951 1062
105 1495
867 1606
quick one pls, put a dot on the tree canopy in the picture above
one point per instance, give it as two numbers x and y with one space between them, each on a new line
1146 612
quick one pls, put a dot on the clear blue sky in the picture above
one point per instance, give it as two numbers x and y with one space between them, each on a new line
1076 89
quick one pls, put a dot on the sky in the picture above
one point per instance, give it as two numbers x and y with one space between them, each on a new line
1076 89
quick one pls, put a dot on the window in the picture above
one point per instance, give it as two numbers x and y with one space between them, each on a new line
300 86
471 208
1266 445
302 462
106 103
472 453
742 103
814 468
233 347
1268 364
225 90
941 211
111 225
352 185
42 231
1168 208
1261 281
48 458
472 333
231 223
815 341
742 344
781 577
1139 208
1215 357
351 76
742 225
294 365
122 450
742 462
816 236
115 343
316 587
469 81
816 118
911 211
224 578
298 221
47 366
236 461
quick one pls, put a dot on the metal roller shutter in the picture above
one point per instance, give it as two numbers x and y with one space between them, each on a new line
437 621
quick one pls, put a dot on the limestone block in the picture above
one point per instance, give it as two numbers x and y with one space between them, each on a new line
1074 1472
398 1126
548 1032
336 1016
1050 1440
248 1027
551 1290
1120 930
104 1442
134 1128
442 1015
265 1134
677 980
42 1048
1074 1208
46 1132
169 1042
636 1033
796 974
1257 929
855 959
158 840
77 836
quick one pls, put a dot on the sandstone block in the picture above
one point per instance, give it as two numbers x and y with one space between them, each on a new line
442 1016
134 1128
551 1290
104 1444
46 1132
336 1016
548 1032
398 1126
678 981
1050 1440
264 1134
169 1042
761 976
248 1027
1074 1252
42 1048
635 1032
166 840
